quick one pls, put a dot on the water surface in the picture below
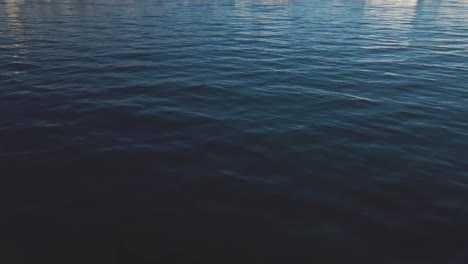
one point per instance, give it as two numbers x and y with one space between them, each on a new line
249 131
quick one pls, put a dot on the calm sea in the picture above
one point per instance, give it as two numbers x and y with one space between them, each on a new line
234 131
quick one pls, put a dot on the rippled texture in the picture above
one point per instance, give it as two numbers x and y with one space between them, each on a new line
250 131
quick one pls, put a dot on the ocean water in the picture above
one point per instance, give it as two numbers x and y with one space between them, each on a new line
234 131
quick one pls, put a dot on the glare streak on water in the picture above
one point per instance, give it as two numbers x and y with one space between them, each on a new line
135 131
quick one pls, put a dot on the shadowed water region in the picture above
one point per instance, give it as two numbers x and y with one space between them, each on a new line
234 131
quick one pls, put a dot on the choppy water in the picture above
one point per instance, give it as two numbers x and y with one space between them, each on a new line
218 131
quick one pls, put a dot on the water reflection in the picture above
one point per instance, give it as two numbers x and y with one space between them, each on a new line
272 2
13 27
394 13
393 19
393 3
11 10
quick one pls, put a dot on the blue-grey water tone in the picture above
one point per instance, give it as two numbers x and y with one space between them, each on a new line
234 131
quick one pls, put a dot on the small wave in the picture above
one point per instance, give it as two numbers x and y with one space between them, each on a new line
20 66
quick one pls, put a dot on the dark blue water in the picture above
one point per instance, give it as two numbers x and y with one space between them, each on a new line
220 131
